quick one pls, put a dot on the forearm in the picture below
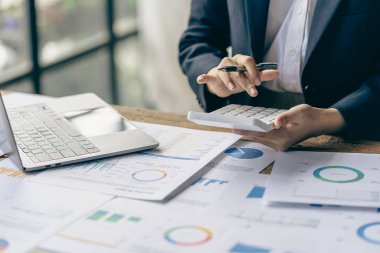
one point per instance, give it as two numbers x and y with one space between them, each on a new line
329 121
360 110
203 45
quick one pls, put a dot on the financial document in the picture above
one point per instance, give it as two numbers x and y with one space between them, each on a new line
151 175
30 212
237 220
9 170
126 225
108 228
326 178
263 227
242 158
223 209
355 233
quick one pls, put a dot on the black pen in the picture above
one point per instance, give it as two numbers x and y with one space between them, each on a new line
260 67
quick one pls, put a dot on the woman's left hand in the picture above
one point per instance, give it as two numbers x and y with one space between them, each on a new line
297 124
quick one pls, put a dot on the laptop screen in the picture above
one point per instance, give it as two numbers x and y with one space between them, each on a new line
7 141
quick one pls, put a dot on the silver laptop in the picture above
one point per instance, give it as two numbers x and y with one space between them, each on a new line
67 130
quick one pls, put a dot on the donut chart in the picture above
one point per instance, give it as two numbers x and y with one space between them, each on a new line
338 174
370 232
188 235
149 175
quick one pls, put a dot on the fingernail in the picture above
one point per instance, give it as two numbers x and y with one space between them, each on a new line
231 85
257 81
253 92
201 79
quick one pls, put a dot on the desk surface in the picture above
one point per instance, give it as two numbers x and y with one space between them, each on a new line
321 143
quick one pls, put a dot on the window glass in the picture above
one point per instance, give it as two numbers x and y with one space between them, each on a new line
67 26
23 86
128 60
125 16
89 74
14 46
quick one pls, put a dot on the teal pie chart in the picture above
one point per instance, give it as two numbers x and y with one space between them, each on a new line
244 153
338 174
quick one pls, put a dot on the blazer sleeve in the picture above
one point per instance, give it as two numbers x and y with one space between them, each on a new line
361 110
203 45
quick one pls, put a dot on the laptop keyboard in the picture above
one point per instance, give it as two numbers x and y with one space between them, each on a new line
44 135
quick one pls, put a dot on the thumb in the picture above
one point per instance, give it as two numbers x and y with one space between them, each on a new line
269 75
205 78
283 119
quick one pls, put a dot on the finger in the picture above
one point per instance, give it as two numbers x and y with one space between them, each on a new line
249 63
269 75
214 84
242 80
225 76
284 119
205 78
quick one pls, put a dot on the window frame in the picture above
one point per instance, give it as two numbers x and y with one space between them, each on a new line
36 70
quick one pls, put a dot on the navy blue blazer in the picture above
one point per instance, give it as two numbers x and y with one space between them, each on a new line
342 64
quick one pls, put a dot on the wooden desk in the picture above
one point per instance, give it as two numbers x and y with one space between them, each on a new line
321 143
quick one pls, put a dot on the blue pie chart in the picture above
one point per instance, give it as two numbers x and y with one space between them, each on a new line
244 153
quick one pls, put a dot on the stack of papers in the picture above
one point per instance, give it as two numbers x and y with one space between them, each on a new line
216 200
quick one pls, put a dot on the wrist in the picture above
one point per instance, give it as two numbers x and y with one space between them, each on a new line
331 120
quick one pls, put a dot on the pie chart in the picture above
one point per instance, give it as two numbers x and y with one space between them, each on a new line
244 153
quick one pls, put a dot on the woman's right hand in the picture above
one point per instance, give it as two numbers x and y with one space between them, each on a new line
224 84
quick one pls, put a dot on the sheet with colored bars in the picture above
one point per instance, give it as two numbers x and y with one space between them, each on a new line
9 169
30 212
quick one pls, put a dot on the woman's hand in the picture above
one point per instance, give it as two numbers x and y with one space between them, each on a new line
297 124
224 84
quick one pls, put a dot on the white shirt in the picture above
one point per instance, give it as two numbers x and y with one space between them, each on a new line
286 41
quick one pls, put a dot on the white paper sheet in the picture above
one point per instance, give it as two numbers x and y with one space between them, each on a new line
152 175
243 157
9 169
288 227
326 178
239 222
355 233
29 212
108 228
126 225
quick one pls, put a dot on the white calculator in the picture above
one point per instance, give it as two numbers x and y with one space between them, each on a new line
238 117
